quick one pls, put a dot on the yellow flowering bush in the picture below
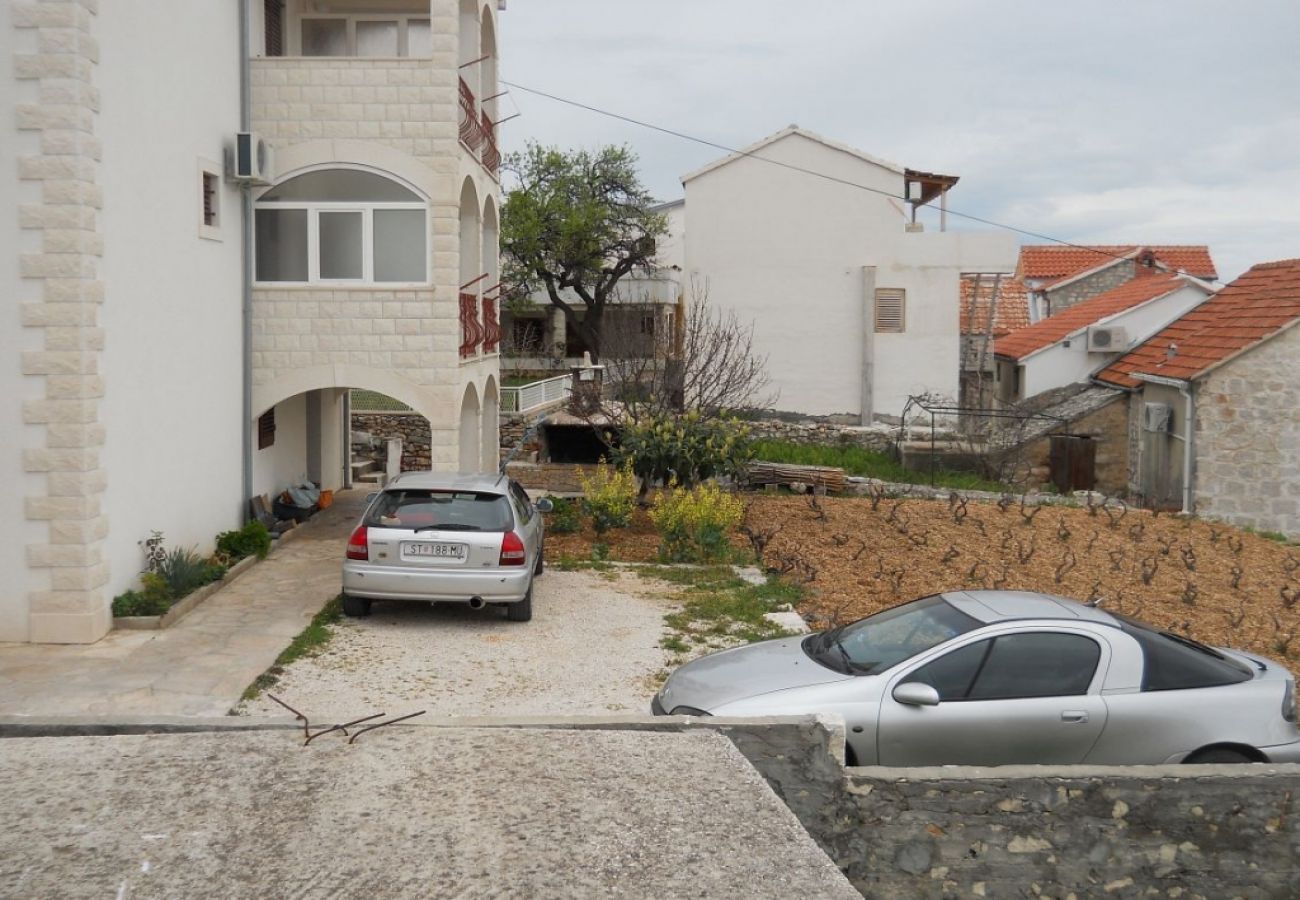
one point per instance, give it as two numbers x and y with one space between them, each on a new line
609 496
693 525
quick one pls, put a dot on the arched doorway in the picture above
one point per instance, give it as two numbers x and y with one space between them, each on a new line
470 452
491 443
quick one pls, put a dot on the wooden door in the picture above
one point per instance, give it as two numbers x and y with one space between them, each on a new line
1073 462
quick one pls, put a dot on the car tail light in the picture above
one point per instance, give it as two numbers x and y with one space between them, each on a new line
512 550
358 544
1288 701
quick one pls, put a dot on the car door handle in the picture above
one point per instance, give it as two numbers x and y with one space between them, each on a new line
1074 715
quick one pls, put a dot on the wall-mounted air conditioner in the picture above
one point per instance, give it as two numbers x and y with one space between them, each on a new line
1107 339
250 159
1155 417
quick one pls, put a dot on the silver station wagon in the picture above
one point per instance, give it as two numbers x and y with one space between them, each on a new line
1006 677
474 539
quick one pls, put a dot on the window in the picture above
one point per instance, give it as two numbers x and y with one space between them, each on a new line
366 36
266 429
341 225
1014 666
521 499
1173 662
876 643
891 311
273 11
209 175
440 510
953 673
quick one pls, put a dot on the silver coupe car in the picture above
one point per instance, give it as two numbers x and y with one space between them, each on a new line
474 539
1006 677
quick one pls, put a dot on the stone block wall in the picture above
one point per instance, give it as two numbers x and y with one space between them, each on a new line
412 428
60 201
1107 426
1248 438
1098 283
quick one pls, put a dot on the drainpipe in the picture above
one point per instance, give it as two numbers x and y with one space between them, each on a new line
246 199
1184 388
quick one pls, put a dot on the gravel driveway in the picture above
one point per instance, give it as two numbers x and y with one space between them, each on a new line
591 648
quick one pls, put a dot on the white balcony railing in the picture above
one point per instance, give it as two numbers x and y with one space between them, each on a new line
537 395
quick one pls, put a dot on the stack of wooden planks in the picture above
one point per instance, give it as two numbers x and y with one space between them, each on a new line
760 472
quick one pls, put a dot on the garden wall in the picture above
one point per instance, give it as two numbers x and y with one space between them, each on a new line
411 427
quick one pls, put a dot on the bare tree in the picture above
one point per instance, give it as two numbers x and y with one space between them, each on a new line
704 361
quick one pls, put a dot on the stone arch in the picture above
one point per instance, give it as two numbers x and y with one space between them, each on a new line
491 250
372 156
491 416
470 35
471 235
470 413
423 399
487 46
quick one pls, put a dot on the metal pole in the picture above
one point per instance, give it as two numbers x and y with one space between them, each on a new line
246 198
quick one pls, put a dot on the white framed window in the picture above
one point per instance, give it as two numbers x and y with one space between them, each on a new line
378 35
341 226
891 311
209 183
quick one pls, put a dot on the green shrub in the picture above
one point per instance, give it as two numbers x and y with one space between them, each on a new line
184 570
153 599
252 540
687 449
565 517
609 497
857 460
693 525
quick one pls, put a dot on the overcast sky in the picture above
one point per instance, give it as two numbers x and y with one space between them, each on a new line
1097 122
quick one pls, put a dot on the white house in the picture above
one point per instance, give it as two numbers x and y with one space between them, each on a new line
1070 346
853 303
146 382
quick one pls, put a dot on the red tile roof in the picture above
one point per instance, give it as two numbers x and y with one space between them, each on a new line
1250 310
1057 261
1045 333
1012 310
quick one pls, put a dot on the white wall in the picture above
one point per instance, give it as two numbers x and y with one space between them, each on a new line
285 461
15 531
670 249
1060 365
170 96
785 250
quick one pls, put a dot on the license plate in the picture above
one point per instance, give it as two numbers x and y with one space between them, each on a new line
435 550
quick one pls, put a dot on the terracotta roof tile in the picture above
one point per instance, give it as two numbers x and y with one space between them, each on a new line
1012 309
1251 309
1054 262
1047 332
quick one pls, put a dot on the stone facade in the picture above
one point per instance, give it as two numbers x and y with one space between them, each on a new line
1107 426
1248 438
1090 286
59 203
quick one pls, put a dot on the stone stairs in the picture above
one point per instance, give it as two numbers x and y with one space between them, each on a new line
367 473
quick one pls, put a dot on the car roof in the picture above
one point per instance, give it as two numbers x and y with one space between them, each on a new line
450 481
1002 606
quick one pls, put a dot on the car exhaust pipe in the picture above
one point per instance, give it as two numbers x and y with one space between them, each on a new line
476 603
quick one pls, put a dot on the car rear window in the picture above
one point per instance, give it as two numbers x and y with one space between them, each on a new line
1174 663
440 510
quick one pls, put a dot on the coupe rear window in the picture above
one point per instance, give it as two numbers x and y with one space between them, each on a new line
1175 663
425 510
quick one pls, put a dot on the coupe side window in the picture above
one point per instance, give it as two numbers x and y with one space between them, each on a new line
1037 665
953 673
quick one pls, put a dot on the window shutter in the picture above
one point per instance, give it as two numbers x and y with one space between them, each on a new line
266 429
891 311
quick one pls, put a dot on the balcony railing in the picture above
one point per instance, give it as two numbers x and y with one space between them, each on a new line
536 395
491 155
471 331
471 126
491 326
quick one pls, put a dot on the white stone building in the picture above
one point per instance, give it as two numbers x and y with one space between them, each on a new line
145 384
1214 411
855 306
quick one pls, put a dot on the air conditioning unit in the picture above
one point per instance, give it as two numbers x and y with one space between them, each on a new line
250 159
1107 340
1155 417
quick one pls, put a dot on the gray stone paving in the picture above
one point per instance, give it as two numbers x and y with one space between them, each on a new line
425 812
200 665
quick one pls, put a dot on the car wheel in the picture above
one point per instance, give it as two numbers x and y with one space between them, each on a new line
355 606
521 611
540 567
1219 755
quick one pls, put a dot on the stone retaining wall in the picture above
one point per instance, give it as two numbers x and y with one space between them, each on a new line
411 427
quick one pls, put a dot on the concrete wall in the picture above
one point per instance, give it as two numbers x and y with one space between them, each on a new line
171 309
276 467
1248 438
1060 365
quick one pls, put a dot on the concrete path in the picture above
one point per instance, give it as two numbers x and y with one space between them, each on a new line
201 665
404 812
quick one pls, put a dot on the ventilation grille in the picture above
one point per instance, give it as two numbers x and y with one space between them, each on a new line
891 311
